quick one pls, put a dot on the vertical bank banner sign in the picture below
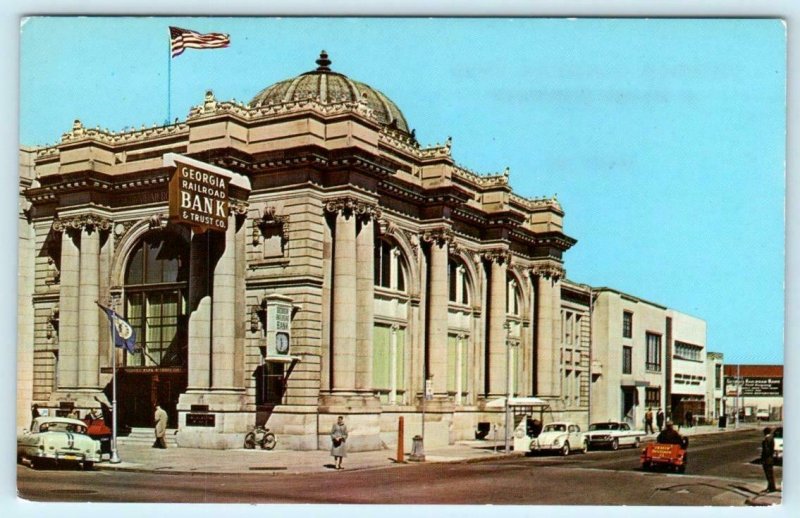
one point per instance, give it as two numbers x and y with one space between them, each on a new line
198 197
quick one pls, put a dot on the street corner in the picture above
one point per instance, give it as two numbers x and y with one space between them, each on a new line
765 498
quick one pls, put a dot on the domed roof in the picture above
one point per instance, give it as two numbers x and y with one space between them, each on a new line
328 87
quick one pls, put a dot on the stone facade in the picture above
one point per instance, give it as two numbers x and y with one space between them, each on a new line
399 264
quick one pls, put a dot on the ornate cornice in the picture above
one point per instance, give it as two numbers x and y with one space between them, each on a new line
238 207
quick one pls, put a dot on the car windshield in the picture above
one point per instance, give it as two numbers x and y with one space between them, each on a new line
603 426
778 433
555 428
62 427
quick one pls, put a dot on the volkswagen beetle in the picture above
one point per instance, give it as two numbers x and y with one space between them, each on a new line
559 437
58 440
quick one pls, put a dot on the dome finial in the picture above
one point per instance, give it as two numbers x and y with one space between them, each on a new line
323 62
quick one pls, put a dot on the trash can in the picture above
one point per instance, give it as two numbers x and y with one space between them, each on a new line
417 450
723 421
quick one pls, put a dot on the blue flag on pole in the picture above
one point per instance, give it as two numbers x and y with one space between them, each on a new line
124 334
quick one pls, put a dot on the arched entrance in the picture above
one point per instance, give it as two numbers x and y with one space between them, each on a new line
156 286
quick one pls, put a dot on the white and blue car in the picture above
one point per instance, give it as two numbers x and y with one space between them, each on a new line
612 434
57 440
561 437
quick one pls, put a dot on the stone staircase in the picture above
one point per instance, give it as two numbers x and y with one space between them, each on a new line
146 436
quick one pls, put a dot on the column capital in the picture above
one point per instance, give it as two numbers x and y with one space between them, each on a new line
548 270
89 222
440 236
238 207
498 255
351 205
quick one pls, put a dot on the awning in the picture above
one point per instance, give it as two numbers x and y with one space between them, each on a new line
517 401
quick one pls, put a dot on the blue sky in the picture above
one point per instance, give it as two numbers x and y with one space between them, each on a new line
664 139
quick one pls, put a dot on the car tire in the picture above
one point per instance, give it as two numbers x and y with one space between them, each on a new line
88 465
585 446
565 449
682 468
615 444
646 466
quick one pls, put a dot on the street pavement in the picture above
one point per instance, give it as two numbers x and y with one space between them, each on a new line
143 458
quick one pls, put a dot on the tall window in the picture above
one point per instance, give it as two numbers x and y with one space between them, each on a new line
389 266
627 324
458 284
513 297
717 376
686 351
652 397
388 364
155 299
457 367
653 352
627 360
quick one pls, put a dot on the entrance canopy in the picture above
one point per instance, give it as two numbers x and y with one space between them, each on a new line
517 402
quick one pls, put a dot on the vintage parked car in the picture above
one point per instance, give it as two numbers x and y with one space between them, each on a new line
778 435
562 437
57 440
612 434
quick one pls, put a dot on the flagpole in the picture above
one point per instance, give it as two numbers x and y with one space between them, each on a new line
169 78
114 454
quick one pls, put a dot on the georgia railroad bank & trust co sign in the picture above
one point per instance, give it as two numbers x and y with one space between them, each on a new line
198 198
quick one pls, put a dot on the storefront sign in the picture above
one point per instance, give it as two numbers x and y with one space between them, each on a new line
754 387
198 198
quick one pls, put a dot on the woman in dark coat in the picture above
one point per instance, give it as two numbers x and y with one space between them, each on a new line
339 441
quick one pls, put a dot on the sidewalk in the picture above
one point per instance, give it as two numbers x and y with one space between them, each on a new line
136 457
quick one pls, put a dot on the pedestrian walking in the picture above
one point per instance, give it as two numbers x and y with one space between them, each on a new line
648 421
689 419
339 442
34 411
160 419
768 459
660 419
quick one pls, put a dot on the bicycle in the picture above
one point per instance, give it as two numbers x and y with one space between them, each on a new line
260 436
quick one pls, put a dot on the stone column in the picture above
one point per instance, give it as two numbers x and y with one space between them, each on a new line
69 308
438 299
344 301
365 260
88 332
497 370
548 296
223 331
199 314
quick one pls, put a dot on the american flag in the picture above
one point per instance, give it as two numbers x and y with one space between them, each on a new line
185 39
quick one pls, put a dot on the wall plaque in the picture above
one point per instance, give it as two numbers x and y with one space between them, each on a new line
208 420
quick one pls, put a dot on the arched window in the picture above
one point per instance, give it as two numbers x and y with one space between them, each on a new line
458 282
156 283
389 267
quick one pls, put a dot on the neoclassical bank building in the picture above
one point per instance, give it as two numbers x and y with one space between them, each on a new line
339 264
